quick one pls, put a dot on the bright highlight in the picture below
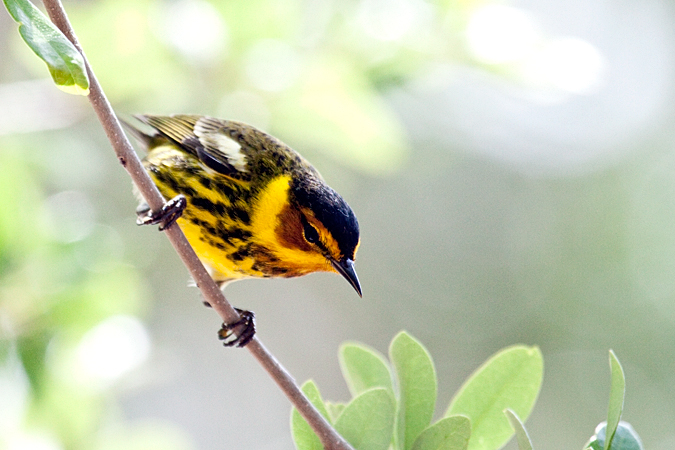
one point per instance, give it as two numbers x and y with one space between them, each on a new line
571 64
499 34
196 29
112 348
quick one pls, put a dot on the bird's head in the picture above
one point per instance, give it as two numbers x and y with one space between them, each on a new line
317 230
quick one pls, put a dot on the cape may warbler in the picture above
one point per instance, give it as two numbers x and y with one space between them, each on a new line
253 207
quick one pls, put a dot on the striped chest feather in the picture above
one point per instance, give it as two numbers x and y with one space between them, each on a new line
238 232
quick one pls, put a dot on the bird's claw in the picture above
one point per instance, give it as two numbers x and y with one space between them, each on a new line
247 324
165 217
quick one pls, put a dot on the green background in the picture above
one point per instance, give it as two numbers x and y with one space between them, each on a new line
495 207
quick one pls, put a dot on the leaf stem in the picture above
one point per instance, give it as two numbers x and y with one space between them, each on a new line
212 294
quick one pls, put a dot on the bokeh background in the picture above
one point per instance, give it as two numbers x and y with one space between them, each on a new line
512 165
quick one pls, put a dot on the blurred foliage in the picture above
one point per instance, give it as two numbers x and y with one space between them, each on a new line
308 73
302 73
59 279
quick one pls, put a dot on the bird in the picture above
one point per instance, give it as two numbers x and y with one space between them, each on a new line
248 204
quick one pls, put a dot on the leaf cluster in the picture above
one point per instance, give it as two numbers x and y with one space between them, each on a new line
394 401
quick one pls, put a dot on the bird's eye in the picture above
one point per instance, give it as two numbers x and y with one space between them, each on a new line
311 235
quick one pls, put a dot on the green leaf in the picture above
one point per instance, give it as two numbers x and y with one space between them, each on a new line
367 422
524 442
65 63
625 438
509 379
617 391
449 433
364 368
417 388
303 435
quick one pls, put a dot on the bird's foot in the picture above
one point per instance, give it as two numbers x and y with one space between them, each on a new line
246 323
165 217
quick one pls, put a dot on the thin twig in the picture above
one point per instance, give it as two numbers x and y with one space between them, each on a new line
212 294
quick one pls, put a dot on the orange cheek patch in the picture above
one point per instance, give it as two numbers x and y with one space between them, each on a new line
289 230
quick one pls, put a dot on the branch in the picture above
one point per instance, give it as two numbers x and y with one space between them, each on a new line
212 294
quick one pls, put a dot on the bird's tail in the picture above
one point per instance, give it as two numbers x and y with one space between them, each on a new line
147 136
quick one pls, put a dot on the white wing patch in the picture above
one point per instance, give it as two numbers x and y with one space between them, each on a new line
215 139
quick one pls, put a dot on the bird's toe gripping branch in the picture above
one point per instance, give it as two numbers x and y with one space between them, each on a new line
165 217
246 324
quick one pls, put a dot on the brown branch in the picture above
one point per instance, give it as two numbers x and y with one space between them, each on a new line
212 294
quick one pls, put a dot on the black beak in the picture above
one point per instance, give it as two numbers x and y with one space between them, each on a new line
346 269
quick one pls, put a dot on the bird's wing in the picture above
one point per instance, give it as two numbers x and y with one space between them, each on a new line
217 143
